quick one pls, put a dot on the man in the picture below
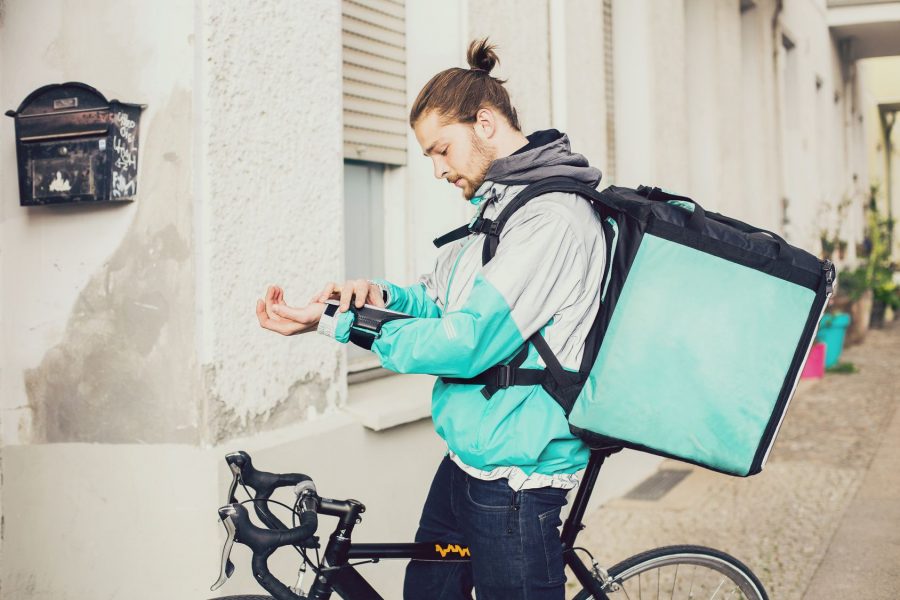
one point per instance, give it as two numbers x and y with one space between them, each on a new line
511 457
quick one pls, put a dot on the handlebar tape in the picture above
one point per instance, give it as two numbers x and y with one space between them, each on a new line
264 542
264 484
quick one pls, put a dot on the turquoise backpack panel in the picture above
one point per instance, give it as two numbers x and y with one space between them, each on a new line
677 372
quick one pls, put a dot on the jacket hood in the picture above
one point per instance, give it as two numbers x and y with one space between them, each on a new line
547 154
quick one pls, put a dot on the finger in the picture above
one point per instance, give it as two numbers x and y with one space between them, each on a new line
261 312
283 327
270 302
375 297
346 294
361 289
326 292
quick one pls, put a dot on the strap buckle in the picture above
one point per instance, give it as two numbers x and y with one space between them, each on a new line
506 376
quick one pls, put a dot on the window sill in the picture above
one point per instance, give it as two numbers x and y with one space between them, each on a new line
387 402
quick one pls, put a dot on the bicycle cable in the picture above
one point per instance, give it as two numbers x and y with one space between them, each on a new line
585 550
294 516
317 568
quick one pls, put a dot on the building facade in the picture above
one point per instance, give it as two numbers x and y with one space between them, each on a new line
275 150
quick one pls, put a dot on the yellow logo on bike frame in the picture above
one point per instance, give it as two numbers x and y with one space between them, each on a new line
463 551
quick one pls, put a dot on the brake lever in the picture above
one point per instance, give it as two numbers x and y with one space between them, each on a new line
235 479
227 567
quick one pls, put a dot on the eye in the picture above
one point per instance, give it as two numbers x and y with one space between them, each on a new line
444 151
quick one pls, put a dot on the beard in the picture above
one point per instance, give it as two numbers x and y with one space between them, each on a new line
478 166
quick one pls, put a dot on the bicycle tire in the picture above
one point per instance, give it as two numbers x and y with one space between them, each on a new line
721 575
245 597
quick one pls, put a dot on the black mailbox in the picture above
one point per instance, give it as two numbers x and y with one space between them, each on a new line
75 146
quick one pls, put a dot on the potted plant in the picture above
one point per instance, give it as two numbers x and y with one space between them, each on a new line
855 297
831 219
879 268
884 296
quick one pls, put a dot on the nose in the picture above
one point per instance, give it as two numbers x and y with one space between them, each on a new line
440 169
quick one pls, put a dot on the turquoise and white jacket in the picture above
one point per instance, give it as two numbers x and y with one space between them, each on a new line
546 276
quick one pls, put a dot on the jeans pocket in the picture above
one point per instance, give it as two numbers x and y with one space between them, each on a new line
495 495
550 523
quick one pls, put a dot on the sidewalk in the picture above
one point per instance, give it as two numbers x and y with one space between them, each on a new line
863 558
823 518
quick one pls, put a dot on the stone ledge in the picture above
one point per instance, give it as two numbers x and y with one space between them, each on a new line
387 402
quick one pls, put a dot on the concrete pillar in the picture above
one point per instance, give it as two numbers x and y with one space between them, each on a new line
650 99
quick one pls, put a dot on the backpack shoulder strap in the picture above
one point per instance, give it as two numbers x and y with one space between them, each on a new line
533 190
502 376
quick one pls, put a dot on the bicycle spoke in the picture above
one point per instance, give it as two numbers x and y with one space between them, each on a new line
713 575
674 583
721 583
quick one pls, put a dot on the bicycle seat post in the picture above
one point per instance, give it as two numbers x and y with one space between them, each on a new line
573 523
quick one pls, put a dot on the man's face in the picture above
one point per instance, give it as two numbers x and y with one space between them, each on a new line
458 153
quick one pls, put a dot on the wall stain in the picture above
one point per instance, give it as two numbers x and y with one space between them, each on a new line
224 422
124 370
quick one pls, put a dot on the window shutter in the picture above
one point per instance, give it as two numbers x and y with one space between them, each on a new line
375 119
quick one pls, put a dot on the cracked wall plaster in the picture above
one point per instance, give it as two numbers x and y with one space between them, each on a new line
124 370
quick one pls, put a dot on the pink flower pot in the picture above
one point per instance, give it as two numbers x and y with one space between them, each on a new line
815 363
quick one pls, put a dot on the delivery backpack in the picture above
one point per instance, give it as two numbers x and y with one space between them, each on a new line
703 328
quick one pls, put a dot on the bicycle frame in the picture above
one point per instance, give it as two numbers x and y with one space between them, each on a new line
340 576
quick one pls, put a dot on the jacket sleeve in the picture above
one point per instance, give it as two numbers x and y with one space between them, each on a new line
533 275
423 298
418 300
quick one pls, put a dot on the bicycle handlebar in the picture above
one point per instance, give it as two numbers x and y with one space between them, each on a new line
264 484
264 542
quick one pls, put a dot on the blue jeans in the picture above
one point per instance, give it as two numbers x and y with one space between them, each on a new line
513 538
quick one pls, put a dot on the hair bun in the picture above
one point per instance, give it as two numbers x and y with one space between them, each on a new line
481 55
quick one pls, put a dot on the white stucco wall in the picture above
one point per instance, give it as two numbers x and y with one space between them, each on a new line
271 196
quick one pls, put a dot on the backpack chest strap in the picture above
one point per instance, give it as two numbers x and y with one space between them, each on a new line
477 225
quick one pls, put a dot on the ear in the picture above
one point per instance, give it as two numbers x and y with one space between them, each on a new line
485 123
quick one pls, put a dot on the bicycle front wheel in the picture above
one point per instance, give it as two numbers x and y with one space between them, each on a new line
681 573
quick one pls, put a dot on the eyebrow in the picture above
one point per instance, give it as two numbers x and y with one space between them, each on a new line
430 148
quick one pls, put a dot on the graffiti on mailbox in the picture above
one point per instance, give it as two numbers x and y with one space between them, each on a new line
125 154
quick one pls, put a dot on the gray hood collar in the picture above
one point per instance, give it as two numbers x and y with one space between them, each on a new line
551 156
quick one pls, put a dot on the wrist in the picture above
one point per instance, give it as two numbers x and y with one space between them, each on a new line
384 288
335 324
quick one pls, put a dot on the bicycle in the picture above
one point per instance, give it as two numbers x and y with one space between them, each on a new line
691 572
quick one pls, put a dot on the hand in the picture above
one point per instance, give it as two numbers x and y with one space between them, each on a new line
362 290
275 315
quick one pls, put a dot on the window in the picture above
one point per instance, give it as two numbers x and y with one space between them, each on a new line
375 139
363 238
